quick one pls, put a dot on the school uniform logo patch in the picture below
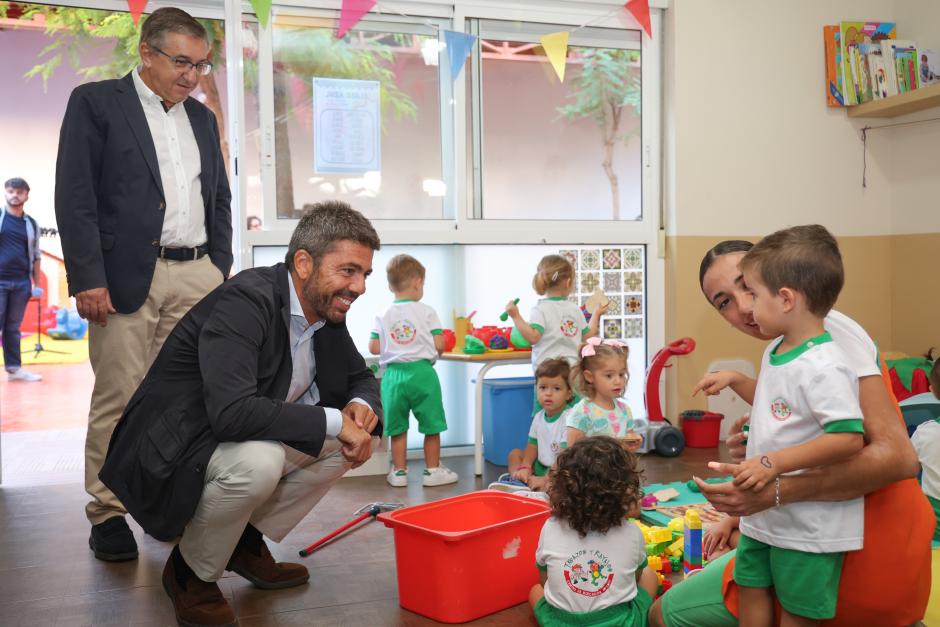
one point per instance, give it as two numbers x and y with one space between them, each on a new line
568 327
403 332
780 409
589 573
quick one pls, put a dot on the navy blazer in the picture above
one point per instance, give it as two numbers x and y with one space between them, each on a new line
223 376
109 201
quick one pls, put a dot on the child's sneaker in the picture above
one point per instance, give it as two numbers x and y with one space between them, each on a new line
442 475
531 494
397 478
506 483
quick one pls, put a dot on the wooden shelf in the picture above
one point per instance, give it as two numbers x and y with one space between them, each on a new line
893 106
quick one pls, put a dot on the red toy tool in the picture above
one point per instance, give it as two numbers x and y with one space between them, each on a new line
368 511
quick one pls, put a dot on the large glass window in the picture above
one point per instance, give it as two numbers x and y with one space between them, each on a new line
386 157
558 151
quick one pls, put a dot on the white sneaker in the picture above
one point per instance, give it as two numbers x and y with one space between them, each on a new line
22 375
531 494
442 475
506 483
397 478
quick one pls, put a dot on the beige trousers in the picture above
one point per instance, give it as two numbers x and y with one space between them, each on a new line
122 352
268 484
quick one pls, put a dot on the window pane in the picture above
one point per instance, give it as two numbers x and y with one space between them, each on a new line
404 179
560 151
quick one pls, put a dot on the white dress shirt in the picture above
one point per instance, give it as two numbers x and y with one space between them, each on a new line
184 221
303 388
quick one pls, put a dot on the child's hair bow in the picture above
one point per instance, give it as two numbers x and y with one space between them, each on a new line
589 348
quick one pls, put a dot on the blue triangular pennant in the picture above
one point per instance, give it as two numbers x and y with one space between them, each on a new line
459 46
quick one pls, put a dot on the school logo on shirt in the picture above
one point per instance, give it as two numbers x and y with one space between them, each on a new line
403 332
780 410
589 573
568 327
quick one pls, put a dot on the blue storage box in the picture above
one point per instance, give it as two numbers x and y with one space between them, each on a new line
507 415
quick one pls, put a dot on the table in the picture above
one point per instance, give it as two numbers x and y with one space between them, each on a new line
489 360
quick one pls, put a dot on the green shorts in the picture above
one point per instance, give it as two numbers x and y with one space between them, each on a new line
630 614
806 584
412 387
699 600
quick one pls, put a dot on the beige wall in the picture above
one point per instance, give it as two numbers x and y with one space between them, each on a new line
753 148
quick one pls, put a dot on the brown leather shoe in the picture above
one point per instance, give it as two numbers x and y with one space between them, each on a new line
199 604
264 572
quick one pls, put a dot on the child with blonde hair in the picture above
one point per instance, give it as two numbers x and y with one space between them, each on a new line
592 560
556 325
601 378
408 337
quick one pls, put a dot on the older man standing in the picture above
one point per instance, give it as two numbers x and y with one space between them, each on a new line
142 205
257 404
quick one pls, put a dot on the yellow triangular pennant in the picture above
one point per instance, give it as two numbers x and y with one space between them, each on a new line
556 49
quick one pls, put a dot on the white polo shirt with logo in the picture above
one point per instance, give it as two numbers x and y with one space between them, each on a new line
561 324
802 394
406 333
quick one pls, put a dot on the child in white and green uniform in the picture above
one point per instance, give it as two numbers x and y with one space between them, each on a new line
592 560
926 441
408 338
805 415
556 325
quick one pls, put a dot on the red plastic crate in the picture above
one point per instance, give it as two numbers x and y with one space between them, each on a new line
467 556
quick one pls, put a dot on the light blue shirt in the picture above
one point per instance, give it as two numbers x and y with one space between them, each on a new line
303 388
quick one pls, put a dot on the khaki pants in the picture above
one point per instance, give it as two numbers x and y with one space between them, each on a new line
122 352
268 484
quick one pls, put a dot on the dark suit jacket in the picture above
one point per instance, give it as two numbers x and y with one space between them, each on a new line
222 376
109 201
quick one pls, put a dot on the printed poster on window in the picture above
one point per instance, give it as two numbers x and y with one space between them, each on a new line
346 126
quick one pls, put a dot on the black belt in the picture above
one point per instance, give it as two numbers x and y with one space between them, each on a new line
183 254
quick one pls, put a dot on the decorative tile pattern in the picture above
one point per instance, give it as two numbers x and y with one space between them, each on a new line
632 258
571 256
612 282
634 304
633 327
613 328
632 282
611 259
615 305
589 281
590 259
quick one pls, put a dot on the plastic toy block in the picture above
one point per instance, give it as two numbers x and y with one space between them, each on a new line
667 567
655 562
666 584
653 548
677 547
692 541
675 563
677 524
660 534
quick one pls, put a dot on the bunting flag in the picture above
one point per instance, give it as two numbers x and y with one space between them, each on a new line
137 8
262 9
556 49
459 46
351 13
641 13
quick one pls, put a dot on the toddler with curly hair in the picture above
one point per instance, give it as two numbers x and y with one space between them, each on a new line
592 560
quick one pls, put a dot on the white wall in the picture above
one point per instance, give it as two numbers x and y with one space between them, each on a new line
755 148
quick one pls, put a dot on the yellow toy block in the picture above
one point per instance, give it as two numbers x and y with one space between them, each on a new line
676 524
675 549
693 519
655 562
660 534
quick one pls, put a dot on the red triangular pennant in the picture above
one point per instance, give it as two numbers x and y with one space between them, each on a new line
137 8
350 14
641 13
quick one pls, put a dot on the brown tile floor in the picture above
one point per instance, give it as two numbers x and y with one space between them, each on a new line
49 576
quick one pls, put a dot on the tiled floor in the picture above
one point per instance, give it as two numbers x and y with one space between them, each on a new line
49 576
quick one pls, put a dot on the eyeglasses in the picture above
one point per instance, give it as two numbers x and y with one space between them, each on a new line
183 64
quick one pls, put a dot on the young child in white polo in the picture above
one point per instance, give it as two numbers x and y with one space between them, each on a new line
805 415
926 441
408 340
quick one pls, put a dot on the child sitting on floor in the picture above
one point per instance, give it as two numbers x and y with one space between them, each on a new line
592 560
409 339
601 378
926 441
529 468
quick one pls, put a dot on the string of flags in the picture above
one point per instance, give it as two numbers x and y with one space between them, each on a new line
458 45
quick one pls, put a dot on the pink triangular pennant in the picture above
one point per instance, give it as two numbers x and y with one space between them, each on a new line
137 8
351 13
641 13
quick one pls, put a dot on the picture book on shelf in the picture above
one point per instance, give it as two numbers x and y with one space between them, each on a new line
889 56
929 66
854 65
876 70
905 63
833 66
